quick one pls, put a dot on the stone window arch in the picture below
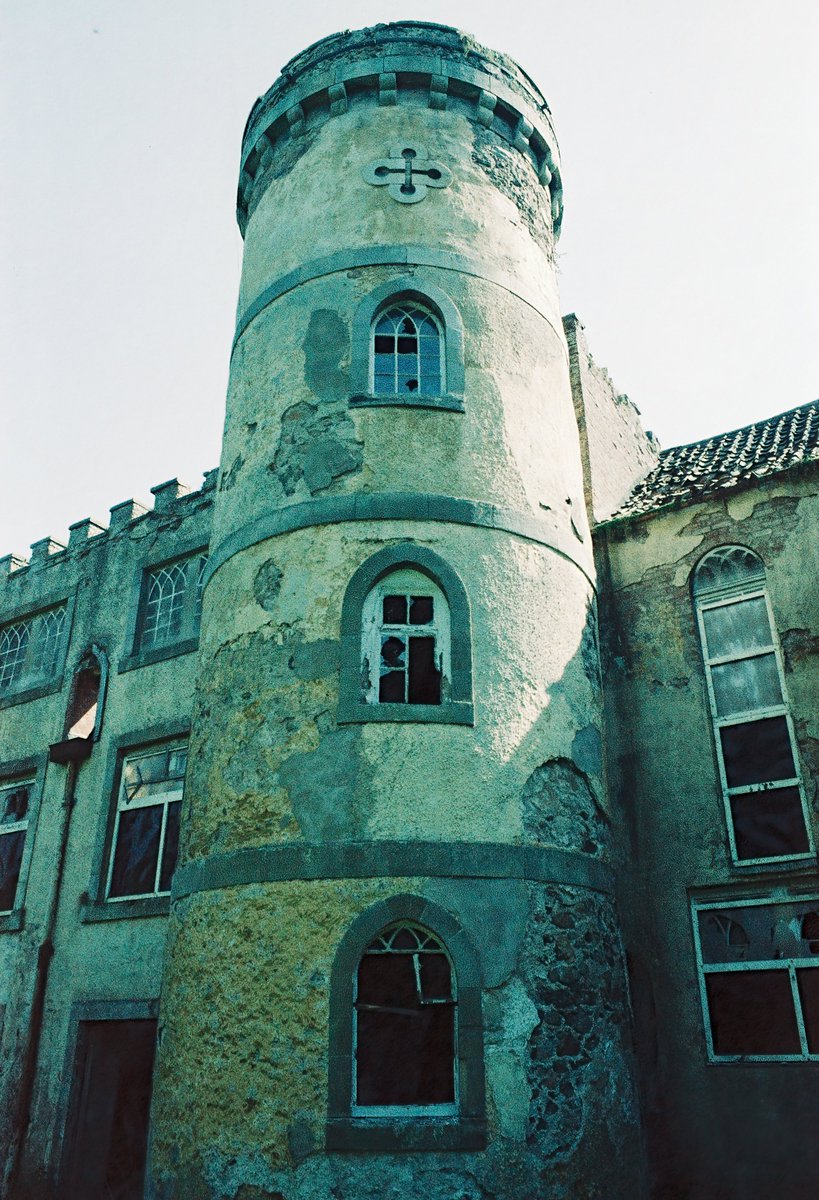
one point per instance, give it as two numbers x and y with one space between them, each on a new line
753 732
405 641
406 984
408 347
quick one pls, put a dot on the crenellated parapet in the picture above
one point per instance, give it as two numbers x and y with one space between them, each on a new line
410 63
175 505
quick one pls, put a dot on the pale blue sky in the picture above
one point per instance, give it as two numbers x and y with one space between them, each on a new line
690 246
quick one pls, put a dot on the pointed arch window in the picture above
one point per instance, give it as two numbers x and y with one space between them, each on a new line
406 1033
408 347
407 355
404 1015
406 645
753 732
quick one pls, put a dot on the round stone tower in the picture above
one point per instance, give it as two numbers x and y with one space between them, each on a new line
394 965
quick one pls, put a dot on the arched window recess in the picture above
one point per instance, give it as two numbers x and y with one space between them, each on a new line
407 347
406 645
86 700
406 1041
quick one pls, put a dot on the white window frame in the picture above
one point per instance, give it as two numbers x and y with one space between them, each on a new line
408 1110
791 965
408 307
28 672
408 582
192 567
705 600
175 793
14 785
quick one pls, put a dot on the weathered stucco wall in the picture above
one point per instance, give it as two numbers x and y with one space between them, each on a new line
617 452
719 1129
303 809
95 960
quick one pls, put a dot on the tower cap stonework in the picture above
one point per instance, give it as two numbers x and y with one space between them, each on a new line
408 62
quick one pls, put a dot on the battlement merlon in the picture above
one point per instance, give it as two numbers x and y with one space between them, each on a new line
408 62
173 500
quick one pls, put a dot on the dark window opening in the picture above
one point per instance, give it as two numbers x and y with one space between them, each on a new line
14 802
808 984
405 1023
146 830
752 1013
757 752
409 672
110 1103
769 824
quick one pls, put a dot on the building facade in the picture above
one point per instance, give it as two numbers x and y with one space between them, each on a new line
427 804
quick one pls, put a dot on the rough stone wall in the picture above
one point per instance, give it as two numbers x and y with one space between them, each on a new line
662 765
616 450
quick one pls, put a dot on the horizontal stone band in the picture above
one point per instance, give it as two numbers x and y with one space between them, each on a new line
389 256
391 859
400 506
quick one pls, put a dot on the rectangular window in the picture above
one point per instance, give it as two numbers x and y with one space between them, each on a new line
30 650
171 602
145 838
15 799
759 974
759 772
409 672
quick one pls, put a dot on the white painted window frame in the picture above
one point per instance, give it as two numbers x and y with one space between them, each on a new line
791 964
33 666
723 598
153 801
408 582
190 569
409 307
398 1111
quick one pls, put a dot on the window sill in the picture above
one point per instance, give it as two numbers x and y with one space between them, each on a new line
447 402
31 693
92 911
415 1133
144 658
12 922
455 712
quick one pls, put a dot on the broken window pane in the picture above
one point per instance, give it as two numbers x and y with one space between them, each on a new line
809 931
395 610
757 752
752 1012
737 628
424 677
420 612
405 1025
146 829
769 824
406 352
808 983
745 685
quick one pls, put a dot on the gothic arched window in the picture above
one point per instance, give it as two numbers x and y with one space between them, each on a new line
407 353
753 732
406 1034
405 640
404 1013
408 347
